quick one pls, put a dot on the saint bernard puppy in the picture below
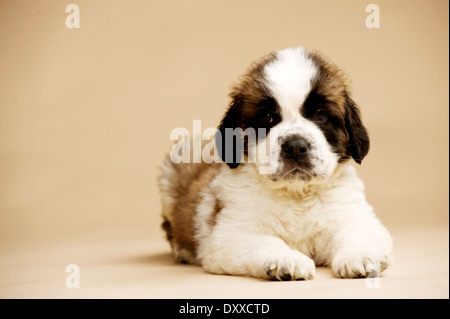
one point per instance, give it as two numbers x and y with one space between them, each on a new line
234 218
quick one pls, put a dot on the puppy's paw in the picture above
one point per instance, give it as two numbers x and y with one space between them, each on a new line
291 266
358 266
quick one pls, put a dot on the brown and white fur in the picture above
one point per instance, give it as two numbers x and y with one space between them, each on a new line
312 210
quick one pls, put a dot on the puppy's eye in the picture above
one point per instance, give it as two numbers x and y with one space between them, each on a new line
321 116
267 118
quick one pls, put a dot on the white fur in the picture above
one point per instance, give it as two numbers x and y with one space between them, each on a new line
260 229
289 77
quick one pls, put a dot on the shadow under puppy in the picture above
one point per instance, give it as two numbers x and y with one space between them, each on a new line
307 208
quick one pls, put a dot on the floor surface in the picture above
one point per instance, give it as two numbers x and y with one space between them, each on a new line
135 265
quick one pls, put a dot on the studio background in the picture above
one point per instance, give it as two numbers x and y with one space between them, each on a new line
85 118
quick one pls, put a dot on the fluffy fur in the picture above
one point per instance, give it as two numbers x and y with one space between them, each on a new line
310 210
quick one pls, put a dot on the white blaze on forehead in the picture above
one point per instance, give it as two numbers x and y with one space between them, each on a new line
289 78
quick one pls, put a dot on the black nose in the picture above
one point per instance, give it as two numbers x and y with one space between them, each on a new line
295 149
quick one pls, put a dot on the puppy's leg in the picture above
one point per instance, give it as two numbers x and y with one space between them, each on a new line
361 250
256 255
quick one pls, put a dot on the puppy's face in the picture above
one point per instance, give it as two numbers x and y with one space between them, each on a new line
299 102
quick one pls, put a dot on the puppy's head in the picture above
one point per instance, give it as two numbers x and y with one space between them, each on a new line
299 102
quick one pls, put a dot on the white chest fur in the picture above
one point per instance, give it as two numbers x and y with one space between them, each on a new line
306 219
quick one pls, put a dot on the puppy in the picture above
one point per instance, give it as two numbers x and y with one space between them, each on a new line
278 213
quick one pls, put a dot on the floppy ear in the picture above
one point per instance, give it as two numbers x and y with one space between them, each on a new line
230 146
359 142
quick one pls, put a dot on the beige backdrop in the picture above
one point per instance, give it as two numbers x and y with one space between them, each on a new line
85 114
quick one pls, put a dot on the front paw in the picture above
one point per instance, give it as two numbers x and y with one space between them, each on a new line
291 266
359 265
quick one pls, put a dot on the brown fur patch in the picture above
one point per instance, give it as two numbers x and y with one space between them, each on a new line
331 81
330 90
167 227
250 91
251 84
188 181
349 137
251 102
218 206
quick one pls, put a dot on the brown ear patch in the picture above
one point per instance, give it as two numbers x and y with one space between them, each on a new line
330 91
359 142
